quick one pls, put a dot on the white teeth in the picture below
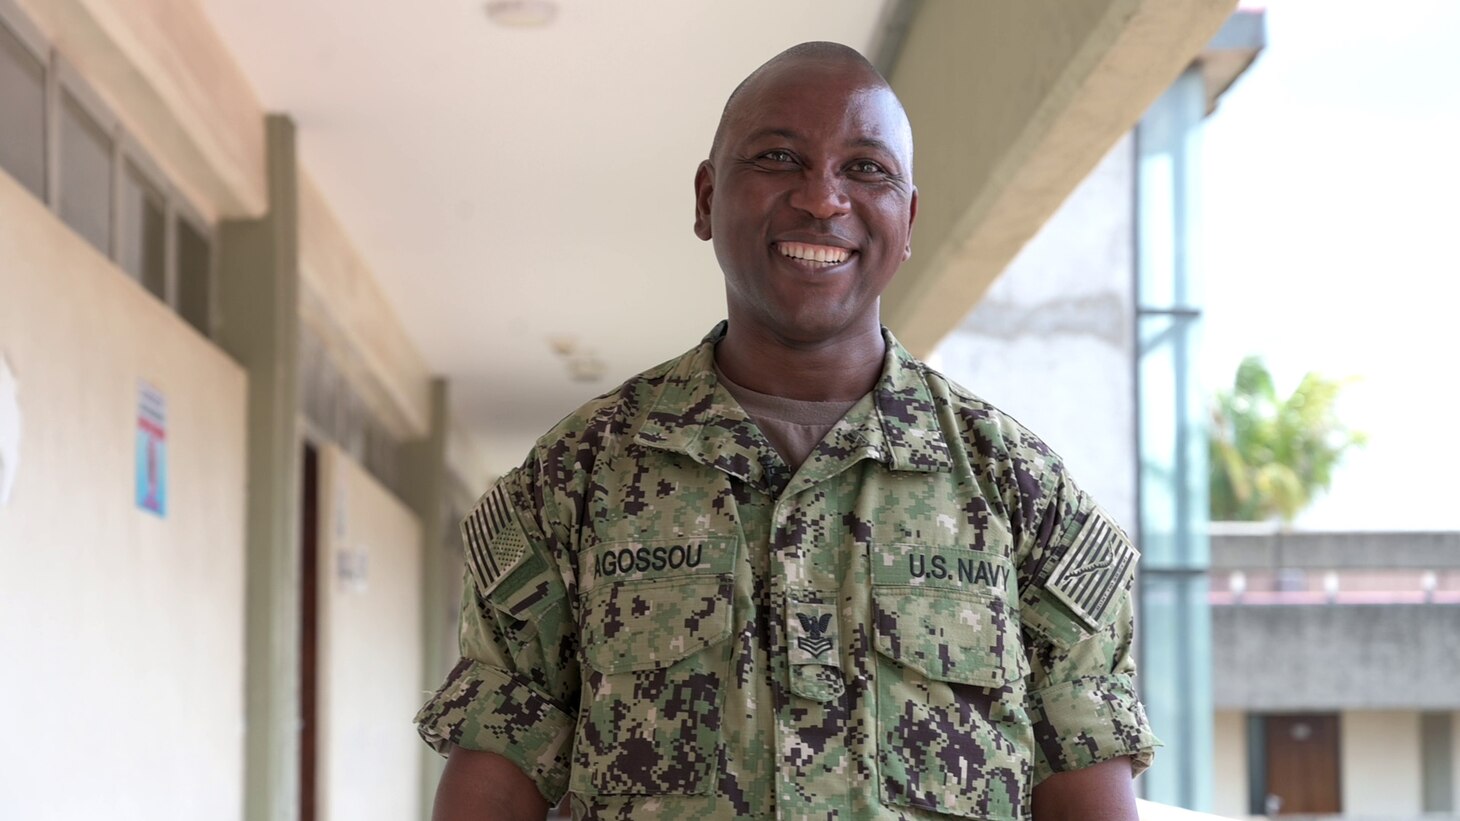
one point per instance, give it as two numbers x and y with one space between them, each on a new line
825 254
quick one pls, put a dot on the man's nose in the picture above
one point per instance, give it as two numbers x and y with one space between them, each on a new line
821 194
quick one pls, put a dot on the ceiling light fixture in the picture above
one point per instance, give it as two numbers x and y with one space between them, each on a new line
522 13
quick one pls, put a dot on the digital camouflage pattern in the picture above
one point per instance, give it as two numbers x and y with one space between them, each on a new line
663 620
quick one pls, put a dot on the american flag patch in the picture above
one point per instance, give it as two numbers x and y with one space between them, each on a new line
494 540
1099 564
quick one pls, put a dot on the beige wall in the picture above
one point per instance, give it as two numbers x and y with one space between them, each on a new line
164 72
1229 764
370 648
1379 762
121 632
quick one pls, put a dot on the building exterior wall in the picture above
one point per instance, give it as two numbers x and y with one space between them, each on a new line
370 647
1379 763
122 630
1229 764
1051 343
1334 657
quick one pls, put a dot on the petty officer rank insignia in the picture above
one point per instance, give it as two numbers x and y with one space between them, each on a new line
1099 564
815 641
495 544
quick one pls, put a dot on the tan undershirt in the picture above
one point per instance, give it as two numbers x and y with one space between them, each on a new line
794 426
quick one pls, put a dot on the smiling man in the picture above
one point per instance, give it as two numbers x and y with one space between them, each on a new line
794 573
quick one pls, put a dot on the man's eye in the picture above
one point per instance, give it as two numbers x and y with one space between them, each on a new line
866 167
778 155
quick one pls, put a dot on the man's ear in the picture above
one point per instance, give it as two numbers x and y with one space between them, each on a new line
704 192
912 216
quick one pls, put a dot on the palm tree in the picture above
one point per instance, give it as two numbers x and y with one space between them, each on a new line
1271 456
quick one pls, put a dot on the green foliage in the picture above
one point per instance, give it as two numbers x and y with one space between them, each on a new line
1271 456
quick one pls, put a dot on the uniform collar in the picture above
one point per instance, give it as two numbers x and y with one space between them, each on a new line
694 414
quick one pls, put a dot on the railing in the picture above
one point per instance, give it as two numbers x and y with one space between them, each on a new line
1262 564
1292 586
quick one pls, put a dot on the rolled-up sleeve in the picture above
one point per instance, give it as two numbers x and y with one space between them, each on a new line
514 691
1078 628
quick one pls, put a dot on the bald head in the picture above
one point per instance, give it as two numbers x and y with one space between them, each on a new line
845 58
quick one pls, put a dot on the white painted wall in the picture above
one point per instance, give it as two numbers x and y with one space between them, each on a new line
1229 763
121 633
1379 754
1052 342
369 648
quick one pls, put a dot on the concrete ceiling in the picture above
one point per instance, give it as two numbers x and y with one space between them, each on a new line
513 186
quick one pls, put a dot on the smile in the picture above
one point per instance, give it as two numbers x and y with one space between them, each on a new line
827 255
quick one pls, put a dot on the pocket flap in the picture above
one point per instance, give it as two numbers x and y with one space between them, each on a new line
960 637
643 625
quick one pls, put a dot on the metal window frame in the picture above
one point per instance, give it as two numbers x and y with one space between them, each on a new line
179 208
34 41
61 76
13 18
66 81
128 152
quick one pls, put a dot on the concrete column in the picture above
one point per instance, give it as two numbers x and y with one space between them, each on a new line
1436 760
424 480
258 301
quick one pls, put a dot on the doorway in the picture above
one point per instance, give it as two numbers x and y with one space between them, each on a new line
309 633
1302 771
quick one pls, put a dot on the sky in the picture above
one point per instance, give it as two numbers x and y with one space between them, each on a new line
1331 241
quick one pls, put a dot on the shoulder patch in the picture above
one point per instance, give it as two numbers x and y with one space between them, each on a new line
1099 564
494 541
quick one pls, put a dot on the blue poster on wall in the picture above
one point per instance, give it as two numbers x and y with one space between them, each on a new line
151 457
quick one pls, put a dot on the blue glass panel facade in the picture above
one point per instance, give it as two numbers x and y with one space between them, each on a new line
1175 640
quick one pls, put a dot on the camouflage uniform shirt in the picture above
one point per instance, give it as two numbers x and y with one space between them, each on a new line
662 619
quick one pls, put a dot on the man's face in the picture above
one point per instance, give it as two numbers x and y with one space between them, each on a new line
809 200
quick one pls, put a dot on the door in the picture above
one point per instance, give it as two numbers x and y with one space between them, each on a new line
309 634
1302 764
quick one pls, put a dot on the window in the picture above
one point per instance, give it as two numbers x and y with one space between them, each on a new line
194 276
86 174
141 233
65 146
23 99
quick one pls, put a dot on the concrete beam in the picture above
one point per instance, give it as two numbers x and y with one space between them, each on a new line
1012 104
1231 52
1264 548
346 308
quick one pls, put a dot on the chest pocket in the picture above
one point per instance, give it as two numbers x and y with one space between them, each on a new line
953 736
656 619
